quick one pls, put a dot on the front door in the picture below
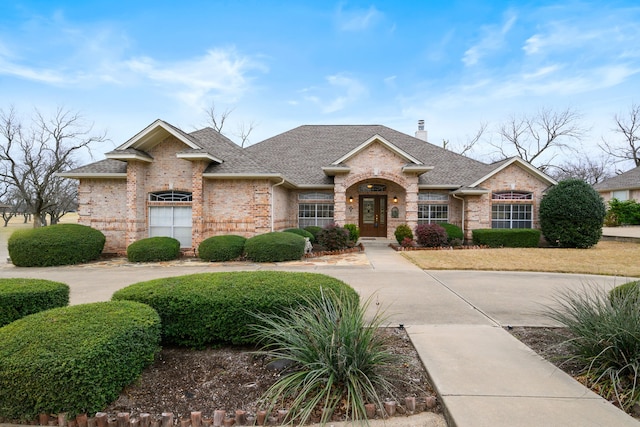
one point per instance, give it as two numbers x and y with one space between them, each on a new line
373 216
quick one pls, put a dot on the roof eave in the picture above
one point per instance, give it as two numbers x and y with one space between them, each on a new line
417 169
199 156
384 142
149 132
335 170
116 175
129 156
470 192
520 162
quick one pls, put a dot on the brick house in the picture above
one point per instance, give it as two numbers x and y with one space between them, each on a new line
165 182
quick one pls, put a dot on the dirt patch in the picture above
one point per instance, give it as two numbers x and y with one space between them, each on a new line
232 378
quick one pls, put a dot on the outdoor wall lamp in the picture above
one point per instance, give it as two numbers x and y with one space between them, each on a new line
395 199
350 199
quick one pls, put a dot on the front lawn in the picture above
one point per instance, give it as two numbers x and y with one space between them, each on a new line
606 258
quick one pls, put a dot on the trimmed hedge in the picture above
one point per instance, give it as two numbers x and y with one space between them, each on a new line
403 231
213 308
74 359
274 247
153 249
60 244
221 248
507 238
21 297
301 232
453 231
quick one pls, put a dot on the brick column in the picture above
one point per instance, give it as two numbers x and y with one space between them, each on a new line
135 198
197 204
411 203
339 201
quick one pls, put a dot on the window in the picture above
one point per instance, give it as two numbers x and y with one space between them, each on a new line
511 216
429 214
170 216
621 195
432 207
317 209
512 195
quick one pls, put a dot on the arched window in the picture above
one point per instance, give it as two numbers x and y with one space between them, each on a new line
170 215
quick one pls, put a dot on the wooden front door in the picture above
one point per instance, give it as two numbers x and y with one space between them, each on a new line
373 216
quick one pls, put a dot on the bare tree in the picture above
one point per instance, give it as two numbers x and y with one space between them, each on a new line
217 121
538 139
629 128
31 155
468 145
591 170
64 199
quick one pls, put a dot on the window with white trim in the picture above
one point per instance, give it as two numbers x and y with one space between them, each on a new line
315 209
621 195
433 207
511 215
170 216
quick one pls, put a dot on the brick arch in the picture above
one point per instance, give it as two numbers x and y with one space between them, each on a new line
354 179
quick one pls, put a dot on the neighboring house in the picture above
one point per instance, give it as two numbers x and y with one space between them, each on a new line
625 186
165 182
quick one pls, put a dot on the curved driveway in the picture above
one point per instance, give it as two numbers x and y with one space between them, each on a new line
484 376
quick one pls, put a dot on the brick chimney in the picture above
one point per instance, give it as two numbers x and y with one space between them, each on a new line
421 133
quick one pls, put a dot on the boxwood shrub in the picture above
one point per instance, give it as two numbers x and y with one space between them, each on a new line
221 248
213 308
301 232
60 244
508 238
313 229
274 247
21 297
453 231
74 359
153 249
403 231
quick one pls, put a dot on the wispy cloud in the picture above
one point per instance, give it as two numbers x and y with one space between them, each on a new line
493 39
357 19
223 71
339 92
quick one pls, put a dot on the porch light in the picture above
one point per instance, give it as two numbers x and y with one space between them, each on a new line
350 199
395 199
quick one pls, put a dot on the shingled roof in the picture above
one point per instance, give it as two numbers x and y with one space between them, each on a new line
627 180
299 155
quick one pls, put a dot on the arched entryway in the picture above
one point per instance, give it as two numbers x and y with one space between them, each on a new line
375 206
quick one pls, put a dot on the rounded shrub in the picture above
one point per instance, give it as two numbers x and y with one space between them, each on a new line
333 238
431 235
274 247
221 248
301 232
627 290
21 297
403 231
571 215
214 308
453 232
74 359
154 249
60 244
313 229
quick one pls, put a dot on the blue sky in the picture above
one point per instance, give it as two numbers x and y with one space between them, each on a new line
282 64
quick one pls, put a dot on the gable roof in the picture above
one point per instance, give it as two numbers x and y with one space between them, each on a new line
503 164
625 181
309 148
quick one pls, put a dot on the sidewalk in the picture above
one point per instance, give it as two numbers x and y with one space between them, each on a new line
483 375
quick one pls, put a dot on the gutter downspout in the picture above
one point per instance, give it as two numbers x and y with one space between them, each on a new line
463 209
273 201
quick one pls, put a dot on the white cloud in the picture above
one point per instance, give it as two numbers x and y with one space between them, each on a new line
493 39
357 20
339 92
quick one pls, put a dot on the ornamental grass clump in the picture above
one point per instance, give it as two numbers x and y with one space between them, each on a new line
337 358
606 339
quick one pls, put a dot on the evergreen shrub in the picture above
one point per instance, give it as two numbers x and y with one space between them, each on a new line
74 359
333 238
154 249
221 248
403 231
431 235
213 308
60 244
274 247
21 297
506 238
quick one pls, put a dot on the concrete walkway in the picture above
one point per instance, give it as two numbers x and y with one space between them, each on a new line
455 319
